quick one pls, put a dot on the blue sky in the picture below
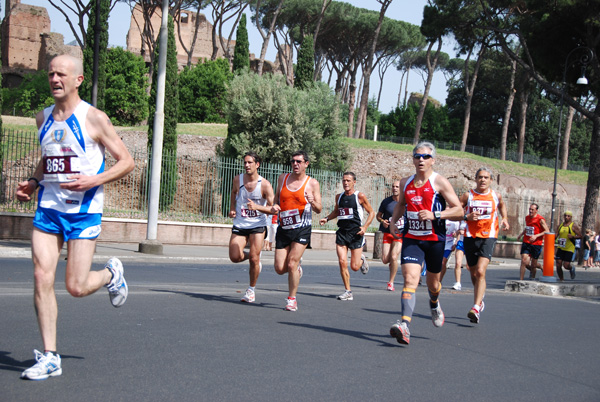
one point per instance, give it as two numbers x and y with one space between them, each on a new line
405 10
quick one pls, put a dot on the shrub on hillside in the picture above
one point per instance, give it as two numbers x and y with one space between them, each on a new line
273 119
126 100
31 96
203 92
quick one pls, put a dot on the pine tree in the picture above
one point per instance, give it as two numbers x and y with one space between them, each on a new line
169 166
305 68
241 52
88 54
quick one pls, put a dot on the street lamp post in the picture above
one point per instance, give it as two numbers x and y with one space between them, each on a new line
549 238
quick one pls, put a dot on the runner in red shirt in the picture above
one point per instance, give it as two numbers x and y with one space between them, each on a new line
426 200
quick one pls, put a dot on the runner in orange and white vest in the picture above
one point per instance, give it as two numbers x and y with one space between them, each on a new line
297 196
484 208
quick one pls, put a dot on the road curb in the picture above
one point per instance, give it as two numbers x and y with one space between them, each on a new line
555 289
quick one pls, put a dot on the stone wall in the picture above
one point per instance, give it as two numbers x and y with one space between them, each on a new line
27 43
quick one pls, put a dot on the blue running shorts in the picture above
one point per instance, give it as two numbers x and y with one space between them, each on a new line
70 226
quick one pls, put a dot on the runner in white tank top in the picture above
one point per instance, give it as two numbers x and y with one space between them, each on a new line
250 192
70 175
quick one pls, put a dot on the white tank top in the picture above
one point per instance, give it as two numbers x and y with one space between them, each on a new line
245 218
68 149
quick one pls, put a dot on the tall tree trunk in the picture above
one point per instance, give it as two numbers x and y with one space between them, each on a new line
406 86
368 69
508 110
266 37
324 7
470 89
351 100
400 90
430 70
523 96
564 159
590 209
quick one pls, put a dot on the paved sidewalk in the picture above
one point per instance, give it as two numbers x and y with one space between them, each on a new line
585 285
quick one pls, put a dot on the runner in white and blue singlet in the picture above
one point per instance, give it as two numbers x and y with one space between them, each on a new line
70 175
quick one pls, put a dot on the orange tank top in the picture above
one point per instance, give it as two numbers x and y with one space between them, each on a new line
295 210
487 206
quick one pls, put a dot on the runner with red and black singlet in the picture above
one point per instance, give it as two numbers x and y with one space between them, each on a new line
297 196
350 208
533 240
392 246
484 209
426 201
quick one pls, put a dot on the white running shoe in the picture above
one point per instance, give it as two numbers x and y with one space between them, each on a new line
437 316
457 286
364 268
292 305
390 286
249 297
48 365
117 288
400 331
347 295
473 314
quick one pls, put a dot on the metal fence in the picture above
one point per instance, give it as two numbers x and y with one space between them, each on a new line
486 152
202 190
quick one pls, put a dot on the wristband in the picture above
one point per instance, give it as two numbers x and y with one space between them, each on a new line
37 182
437 214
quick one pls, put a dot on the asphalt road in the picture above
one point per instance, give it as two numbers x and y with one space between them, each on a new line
183 335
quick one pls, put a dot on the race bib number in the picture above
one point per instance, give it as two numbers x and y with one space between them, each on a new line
249 213
60 162
562 242
529 231
417 227
400 223
290 219
345 213
483 208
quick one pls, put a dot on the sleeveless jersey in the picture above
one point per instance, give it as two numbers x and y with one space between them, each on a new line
564 243
451 228
420 198
295 210
68 149
533 227
245 218
350 211
387 210
487 205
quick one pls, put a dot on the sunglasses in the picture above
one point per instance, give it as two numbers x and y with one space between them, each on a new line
296 161
424 156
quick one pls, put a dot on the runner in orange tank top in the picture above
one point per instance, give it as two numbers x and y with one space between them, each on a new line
482 206
297 196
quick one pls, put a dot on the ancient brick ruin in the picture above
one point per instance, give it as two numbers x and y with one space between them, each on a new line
28 45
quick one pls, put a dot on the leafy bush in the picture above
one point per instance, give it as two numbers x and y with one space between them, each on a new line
126 100
203 92
436 125
271 118
32 95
